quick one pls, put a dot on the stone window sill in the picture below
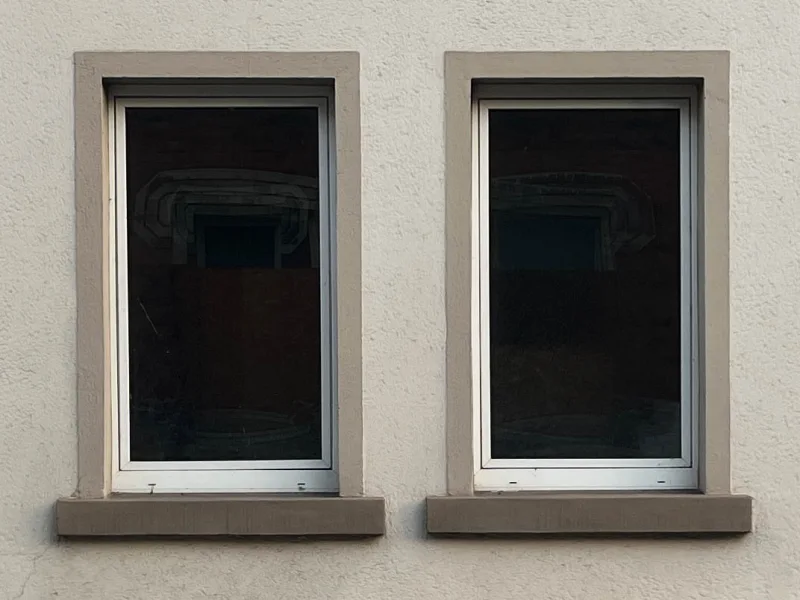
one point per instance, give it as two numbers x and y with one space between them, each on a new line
220 515
589 514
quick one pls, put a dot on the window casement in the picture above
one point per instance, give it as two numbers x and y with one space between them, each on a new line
222 258
585 319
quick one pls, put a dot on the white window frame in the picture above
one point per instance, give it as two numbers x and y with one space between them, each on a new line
310 475
586 474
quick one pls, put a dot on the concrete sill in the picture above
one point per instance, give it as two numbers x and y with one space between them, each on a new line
220 515
589 514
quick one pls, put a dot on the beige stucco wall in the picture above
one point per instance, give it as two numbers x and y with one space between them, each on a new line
401 46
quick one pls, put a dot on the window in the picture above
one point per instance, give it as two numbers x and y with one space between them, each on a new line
587 295
586 273
253 140
223 252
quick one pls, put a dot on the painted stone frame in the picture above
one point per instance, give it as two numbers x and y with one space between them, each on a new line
94 71
709 72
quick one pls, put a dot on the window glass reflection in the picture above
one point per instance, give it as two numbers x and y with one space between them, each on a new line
585 321
223 283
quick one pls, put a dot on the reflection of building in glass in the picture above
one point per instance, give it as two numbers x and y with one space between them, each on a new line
567 220
178 208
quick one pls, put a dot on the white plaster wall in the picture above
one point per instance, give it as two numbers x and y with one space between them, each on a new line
401 44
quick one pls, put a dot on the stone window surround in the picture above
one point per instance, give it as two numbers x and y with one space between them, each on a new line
93 510
712 509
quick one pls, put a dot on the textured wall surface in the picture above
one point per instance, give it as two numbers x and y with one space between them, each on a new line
401 45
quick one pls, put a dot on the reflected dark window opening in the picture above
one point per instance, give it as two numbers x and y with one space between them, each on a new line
584 280
224 300
247 242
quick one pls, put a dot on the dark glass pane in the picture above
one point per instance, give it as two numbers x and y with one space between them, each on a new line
223 283
545 242
585 283
239 245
